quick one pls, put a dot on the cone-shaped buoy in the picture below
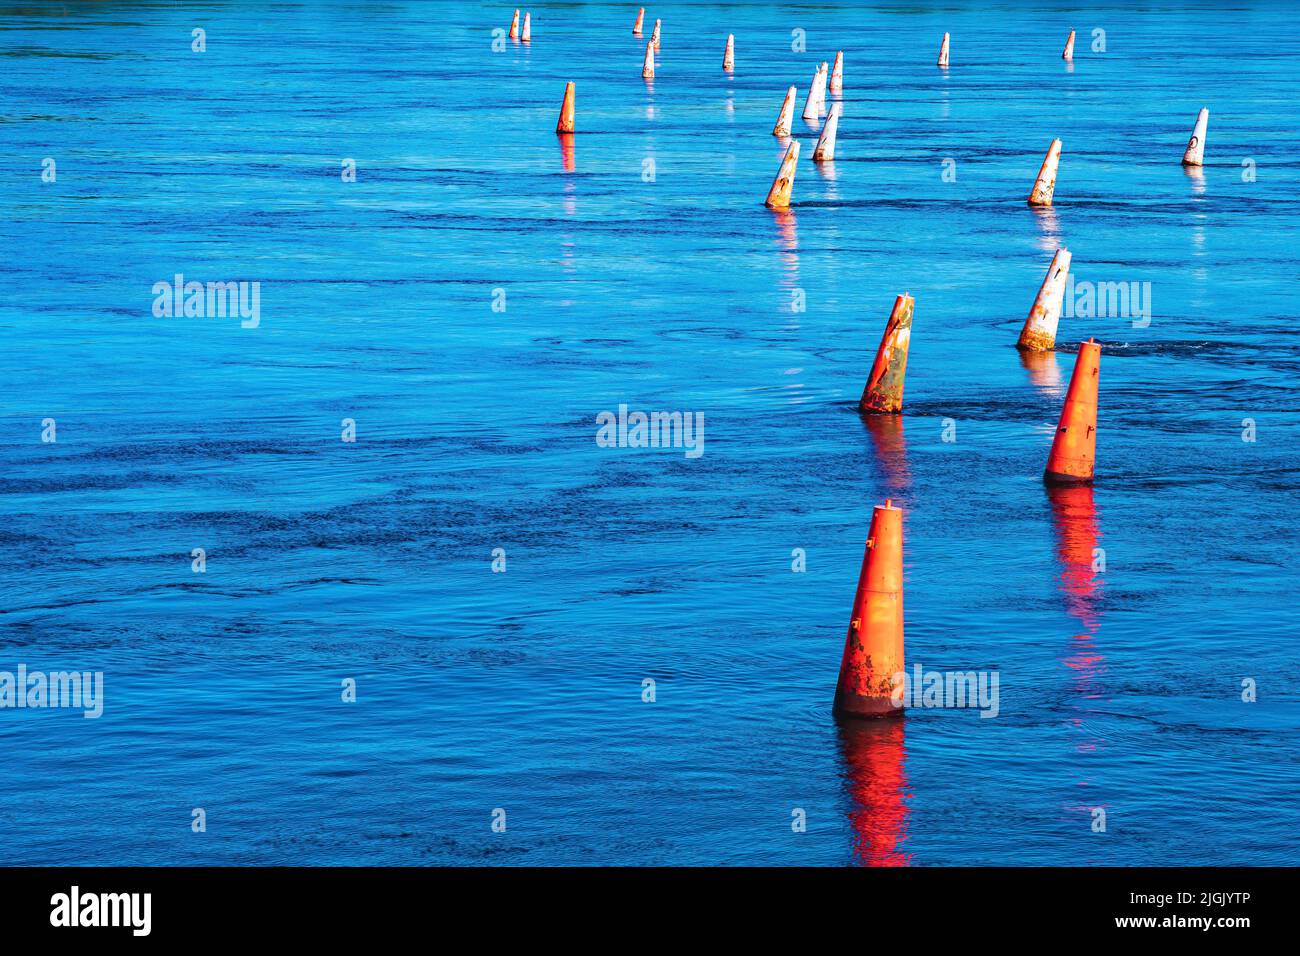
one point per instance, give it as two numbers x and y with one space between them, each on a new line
640 18
778 197
810 106
1196 145
884 391
821 88
943 51
565 125
514 26
528 27
825 150
1039 333
654 35
1074 449
729 54
1045 184
873 649
837 73
648 68
786 117
1068 54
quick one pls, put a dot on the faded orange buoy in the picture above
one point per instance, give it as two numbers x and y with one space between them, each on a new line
825 150
943 51
873 649
1039 333
837 72
654 35
884 391
786 117
514 26
778 197
648 68
640 18
729 54
1045 184
1195 152
1074 449
565 125
1069 48
528 27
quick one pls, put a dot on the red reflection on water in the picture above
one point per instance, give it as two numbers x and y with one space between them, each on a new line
568 155
874 762
1074 517
891 449
788 239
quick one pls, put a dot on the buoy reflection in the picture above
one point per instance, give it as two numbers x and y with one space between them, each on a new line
876 778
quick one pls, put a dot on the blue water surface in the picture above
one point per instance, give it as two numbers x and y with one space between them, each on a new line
637 265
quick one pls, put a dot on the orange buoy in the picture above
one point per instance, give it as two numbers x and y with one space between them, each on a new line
825 151
648 68
1074 449
514 26
528 27
1069 48
778 197
837 72
873 649
786 116
1045 184
1195 152
884 391
943 51
654 35
729 55
1039 332
565 125
640 18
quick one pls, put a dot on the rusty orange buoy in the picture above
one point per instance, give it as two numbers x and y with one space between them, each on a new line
565 125
1039 332
884 391
778 197
1045 184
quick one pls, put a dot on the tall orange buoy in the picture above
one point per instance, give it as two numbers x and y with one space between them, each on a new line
514 26
729 54
640 18
1074 449
1039 332
1045 184
1068 54
873 649
786 116
1195 151
528 27
565 125
778 197
654 35
943 51
884 391
648 68
837 72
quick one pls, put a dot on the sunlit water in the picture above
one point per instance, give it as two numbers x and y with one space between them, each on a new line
640 267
